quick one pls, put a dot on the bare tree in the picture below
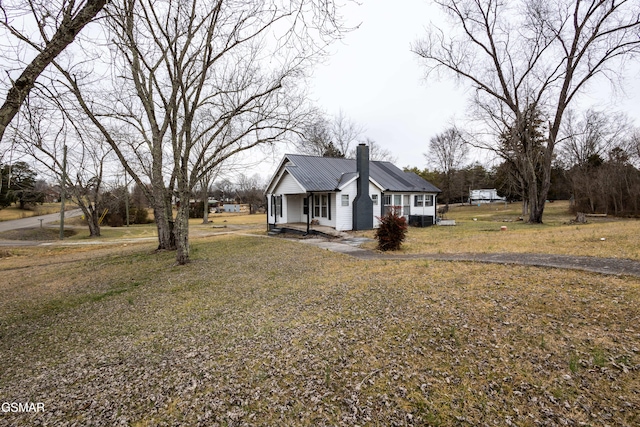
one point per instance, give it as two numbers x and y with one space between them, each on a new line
48 133
595 134
596 150
447 152
376 152
329 137
521 146
205 183
346 133
58 23
196 83
531 55
337 137
635 145
250 190
316 138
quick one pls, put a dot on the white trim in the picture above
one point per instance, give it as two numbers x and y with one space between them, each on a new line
349 182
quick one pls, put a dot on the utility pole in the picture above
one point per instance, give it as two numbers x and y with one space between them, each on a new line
126 196
63 194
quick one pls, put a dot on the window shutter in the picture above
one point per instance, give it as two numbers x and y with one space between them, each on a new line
329 206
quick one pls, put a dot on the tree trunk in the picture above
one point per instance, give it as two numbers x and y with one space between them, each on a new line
94 227
164 224
182 230
205 208
93 219
162 202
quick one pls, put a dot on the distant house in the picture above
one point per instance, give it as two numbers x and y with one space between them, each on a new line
346 194
485 196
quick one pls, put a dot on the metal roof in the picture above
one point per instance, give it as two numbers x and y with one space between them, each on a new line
328 173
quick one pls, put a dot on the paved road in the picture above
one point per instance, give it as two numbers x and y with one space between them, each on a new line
615 266
34 220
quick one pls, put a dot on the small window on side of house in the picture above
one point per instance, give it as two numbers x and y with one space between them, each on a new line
428 201
374 198
418 200
345 200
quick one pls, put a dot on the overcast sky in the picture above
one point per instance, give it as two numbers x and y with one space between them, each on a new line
379 83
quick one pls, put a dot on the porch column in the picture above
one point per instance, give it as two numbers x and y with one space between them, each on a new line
309 196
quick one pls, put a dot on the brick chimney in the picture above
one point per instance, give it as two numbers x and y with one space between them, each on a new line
362 204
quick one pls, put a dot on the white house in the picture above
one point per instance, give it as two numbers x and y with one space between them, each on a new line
346 194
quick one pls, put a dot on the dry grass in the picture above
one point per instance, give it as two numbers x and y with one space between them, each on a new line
217 223
608 237
35 234
309 337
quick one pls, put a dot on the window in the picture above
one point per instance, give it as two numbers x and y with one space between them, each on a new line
279 206
345 200
428 201
320 205
316 206
418 200
397 200
374 198
387 204
324 206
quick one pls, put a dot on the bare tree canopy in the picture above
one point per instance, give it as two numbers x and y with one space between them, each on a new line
58 23
531 55
337 137
596 133
329 137
447 152
193 83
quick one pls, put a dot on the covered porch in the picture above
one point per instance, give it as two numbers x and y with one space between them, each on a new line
301 228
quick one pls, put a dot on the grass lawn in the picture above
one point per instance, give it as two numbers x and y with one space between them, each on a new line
263 331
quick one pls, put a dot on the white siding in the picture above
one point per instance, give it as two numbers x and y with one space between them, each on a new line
288 185
423 210
344 214
377 209
295 208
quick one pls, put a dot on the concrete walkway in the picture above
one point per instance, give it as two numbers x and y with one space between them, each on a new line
614 266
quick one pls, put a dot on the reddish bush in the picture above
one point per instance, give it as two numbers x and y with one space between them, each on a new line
392 231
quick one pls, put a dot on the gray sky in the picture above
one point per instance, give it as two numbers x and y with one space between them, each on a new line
378 83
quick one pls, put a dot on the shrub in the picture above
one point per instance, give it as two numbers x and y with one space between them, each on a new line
141 216
196 210
392 231
115 220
